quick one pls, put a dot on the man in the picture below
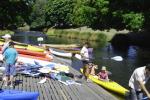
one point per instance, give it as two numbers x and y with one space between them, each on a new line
10 57
85 60
137 82
85 53
7 38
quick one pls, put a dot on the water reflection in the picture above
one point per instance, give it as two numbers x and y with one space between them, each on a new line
133 57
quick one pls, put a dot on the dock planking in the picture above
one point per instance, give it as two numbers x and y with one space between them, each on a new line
54 90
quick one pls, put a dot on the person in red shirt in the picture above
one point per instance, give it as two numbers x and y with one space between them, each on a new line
103 74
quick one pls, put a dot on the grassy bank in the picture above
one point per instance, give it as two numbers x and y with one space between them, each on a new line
85 34
2 32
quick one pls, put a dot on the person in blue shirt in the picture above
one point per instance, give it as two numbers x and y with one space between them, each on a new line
10 57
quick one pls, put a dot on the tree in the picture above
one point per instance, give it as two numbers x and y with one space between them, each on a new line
58 12
37 18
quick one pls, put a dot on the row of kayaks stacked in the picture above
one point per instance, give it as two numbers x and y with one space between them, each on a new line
30 51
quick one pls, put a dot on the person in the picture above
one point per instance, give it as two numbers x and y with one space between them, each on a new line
7 38
103 74
10 57
85 60
92 68
85 53
137 82
89 70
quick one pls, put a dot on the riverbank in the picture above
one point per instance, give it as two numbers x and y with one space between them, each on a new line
2 32
82 33
85 33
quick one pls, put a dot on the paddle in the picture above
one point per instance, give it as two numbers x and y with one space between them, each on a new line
116 58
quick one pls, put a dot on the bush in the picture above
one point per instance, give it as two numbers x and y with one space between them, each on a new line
133 21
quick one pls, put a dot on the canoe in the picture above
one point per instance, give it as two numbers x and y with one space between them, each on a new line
18 95
62 45
109 85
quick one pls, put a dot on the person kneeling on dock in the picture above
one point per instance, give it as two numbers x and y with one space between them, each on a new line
89 69
103 74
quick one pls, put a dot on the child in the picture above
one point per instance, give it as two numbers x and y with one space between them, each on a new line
103 74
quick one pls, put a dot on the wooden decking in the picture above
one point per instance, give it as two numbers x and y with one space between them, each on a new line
54 90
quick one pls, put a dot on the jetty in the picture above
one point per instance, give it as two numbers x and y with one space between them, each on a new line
55 90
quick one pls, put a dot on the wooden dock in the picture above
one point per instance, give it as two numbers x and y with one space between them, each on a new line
54 90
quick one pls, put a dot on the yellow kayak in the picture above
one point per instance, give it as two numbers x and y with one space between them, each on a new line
26 46
109 85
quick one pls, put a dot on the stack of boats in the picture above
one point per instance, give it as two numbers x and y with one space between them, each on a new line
29 51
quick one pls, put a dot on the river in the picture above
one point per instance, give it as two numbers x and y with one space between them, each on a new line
133 57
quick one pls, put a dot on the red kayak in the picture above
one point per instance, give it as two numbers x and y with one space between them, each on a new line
31 53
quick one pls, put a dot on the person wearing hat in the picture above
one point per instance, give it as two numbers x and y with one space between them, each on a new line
7 38
10 57
137 82
103 74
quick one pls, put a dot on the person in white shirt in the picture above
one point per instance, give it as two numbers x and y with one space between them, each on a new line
137 82
85 59
85 53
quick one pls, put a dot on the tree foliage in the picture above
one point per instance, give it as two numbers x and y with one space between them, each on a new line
97 14
58 12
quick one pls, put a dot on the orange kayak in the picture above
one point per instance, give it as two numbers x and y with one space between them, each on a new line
31 53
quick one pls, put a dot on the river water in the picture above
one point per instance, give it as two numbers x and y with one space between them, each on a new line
133 57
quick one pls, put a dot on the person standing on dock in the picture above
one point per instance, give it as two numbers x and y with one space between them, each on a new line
85 58
7 38
10 58
137 82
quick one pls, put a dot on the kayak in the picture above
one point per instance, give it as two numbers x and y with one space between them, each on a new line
61 54
109 85
26 47
69 54
18 95
31 53
61 46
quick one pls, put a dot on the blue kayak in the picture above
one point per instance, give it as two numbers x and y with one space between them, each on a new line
18 95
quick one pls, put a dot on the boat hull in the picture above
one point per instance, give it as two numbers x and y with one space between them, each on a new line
109 85
18 95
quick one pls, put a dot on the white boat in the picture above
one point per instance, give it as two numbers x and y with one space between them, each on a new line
62 45
61 54
68 54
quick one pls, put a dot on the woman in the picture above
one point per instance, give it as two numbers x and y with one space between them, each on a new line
103 74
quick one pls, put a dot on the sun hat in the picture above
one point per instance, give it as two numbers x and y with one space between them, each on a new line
103 68
6 36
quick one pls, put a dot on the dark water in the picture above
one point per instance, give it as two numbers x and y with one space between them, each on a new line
133 57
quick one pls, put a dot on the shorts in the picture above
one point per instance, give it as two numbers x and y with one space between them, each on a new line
135 95
85 62
10 69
